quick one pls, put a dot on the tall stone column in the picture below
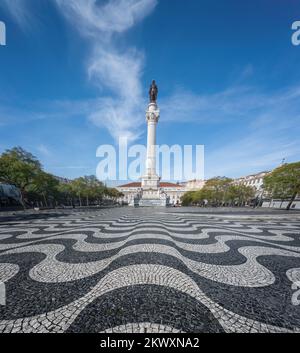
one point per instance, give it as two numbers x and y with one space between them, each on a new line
150 181
152 117
151 193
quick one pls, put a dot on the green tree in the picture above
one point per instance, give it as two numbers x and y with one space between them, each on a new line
78 187
65 193
45 185
19 168
239 194
215 190
88 187
21 155
187 198
284 182
94 189
113 193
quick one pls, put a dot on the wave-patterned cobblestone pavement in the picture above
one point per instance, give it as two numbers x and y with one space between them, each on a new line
150 270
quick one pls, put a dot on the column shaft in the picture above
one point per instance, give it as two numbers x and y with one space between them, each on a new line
151 148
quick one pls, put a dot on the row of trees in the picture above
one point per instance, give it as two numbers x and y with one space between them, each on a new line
23 170
88 190
219 191
282 183
20 168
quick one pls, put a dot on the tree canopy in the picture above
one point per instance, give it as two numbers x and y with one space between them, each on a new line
23 170
219 191
19 168
284 182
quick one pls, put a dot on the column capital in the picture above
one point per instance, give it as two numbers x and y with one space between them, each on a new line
152 113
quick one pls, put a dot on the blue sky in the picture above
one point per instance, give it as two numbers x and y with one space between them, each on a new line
75 75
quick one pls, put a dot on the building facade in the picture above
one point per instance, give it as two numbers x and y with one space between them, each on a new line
172 191
254 180
193 185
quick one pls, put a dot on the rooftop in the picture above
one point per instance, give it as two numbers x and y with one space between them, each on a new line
139 184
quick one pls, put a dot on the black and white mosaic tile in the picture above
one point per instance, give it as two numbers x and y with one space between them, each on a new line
150 270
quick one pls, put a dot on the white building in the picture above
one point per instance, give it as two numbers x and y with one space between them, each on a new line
256 181
174 191
193 185
253 180
171 190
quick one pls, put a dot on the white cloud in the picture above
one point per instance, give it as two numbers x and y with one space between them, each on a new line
268 121
113 16
260 128
119 72
232 104
41 110
44 150
109 67
250 154
20 10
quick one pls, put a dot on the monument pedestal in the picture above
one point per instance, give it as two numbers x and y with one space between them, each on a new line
152 202
151 192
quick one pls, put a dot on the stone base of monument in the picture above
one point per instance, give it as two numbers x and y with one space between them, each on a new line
150 182
153 202
150 200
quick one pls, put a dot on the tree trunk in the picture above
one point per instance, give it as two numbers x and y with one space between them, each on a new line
22 199
46 204
291 201
87 201
80 201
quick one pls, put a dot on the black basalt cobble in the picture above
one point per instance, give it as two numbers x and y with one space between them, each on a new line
154 304
227 270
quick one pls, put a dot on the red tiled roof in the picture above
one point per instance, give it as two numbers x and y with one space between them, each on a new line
170 185
131 185
139 184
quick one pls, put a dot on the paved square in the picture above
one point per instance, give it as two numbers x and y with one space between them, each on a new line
150 270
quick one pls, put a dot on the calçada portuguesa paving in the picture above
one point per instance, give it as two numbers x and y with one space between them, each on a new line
150 270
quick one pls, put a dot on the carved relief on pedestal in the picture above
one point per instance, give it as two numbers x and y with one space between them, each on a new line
153 113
